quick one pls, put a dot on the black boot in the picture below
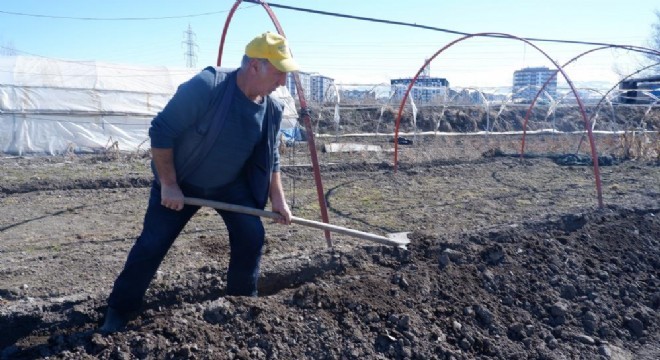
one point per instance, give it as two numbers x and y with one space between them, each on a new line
114 321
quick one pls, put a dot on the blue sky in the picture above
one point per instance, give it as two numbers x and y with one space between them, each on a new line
350 51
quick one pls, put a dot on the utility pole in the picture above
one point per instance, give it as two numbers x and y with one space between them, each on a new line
190 46
8 49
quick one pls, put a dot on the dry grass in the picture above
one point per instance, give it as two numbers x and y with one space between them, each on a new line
643 146
640 145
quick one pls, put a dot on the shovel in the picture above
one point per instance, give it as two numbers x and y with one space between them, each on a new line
395 239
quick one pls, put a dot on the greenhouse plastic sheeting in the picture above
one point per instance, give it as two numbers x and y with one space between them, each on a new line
55 106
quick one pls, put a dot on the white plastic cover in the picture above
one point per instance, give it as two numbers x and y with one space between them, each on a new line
53 106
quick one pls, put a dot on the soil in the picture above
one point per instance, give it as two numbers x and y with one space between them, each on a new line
509 259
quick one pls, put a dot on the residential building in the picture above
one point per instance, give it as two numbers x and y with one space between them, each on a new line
528 81
357 96
316 87
304 82
322 89
427 90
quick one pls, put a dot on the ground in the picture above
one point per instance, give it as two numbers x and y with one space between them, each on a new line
509 259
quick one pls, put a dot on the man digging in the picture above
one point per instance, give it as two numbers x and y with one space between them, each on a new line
217 138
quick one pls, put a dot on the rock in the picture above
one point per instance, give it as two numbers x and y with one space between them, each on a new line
393 319
605 351
604 331
516 332
627 301
484 315
493 255
584 339
443 261
438 335
558 309
603 275
384 341
635 326
257 353
456 326
404 283
612 352
453 255
655 301
488 275
98 340
218 311
406 352
404 322
122 354
372 316
589 321
464 344
568 291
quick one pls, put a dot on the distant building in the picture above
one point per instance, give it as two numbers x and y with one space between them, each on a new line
528 81
357 96
640 91
305 79
316 87
426 72
427 90
322 88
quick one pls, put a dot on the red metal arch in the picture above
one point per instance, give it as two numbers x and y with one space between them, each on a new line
614 87
304 110
627 47
531 105
559 68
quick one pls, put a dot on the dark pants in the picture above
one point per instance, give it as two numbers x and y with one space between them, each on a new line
162 226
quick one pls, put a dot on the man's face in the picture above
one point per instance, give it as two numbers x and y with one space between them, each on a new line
268 77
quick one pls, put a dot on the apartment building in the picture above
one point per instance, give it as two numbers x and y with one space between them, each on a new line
528 81
427 90
316 87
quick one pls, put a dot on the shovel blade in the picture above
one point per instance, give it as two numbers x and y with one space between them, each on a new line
401 238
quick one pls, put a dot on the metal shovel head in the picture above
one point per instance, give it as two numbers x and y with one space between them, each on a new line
400 238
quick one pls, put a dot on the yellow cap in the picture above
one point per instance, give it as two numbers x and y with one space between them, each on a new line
274 48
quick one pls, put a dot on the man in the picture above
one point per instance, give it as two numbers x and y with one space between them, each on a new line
215 139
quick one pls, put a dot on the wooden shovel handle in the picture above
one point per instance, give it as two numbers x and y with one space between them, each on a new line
296 220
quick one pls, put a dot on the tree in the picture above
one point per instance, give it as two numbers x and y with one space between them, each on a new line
654 42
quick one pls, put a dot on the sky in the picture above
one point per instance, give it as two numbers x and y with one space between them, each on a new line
152 33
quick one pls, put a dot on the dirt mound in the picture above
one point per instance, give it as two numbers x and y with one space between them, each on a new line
577 286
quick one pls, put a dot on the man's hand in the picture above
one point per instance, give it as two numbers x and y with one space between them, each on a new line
277 200
282 208
171 197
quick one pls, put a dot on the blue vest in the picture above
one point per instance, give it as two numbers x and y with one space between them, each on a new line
195 143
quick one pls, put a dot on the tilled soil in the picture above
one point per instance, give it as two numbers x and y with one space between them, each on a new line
509 259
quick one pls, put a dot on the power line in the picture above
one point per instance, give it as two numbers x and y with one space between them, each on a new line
190 55
426 27
320 12
91 18
113 18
